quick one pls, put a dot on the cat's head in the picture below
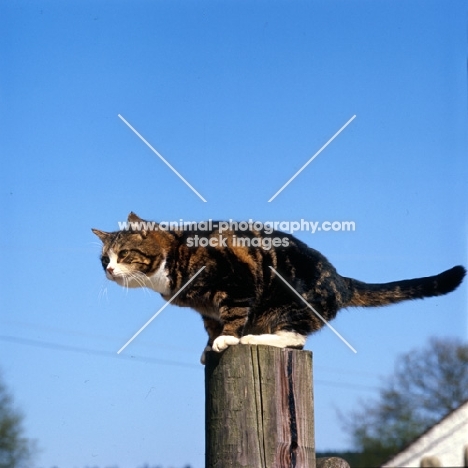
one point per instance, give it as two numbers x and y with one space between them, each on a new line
135 257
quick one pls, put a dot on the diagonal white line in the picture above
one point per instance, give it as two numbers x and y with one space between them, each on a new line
161 309
161 157
312 158
314 311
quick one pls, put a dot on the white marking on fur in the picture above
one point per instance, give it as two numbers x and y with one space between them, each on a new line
159 280
281 339
124 276
112 264
223 342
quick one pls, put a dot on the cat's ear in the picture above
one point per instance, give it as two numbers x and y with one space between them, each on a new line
132 217
101 234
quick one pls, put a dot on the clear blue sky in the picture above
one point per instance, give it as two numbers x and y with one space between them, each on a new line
237 96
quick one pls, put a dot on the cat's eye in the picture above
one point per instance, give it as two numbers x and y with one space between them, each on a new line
105 260
124 253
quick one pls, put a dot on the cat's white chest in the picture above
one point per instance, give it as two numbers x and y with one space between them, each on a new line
159 280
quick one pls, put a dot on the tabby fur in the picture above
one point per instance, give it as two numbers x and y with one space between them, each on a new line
239 294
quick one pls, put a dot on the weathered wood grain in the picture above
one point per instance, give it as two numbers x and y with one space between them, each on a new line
259 408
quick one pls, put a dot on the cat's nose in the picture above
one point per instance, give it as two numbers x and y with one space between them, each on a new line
110 270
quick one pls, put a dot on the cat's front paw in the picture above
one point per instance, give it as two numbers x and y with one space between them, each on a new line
223 342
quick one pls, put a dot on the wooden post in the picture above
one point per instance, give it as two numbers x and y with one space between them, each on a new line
259 408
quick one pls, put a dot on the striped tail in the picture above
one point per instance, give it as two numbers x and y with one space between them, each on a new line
374 295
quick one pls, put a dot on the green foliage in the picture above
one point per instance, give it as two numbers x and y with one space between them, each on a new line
427 384
15 450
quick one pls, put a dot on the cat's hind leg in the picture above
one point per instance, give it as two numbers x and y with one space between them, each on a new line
283 326
279 339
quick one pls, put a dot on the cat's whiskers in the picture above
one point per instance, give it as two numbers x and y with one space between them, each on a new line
127 283
103 293
140 278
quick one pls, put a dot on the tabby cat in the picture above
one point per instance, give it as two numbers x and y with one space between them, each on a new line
239 293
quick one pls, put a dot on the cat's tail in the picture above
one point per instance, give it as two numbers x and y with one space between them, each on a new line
374 295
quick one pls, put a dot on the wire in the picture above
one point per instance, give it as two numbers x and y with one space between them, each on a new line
76 349
191 350
146 360
94 336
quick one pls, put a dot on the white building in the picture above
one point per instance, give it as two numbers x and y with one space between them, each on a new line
444 444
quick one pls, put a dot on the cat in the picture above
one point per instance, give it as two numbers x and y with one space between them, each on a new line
240 293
